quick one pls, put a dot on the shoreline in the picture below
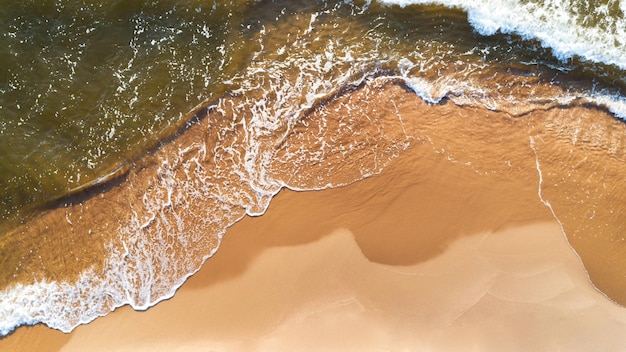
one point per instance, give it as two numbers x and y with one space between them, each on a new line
305 276
405 136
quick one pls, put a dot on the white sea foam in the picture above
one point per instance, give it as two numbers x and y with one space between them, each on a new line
65 305
556 24
616 104
463 91
425 89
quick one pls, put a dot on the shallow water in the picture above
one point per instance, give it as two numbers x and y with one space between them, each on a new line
90 89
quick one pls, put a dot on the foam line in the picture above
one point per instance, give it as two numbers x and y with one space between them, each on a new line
556 24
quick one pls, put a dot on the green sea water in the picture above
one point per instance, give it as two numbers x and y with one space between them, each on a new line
85 85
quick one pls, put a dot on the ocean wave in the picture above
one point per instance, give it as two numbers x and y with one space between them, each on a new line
594 32
492 96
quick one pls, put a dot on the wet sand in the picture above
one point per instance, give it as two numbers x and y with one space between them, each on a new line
457 243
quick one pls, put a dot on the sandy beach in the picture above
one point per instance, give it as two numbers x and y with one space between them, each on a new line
441 251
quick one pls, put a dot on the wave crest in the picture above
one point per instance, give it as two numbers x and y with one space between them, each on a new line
570 28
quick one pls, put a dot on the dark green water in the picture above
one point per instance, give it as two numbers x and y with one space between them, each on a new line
87 85
84 86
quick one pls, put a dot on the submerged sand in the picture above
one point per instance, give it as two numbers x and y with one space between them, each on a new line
457 244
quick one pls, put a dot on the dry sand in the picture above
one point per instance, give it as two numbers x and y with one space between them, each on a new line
428 255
